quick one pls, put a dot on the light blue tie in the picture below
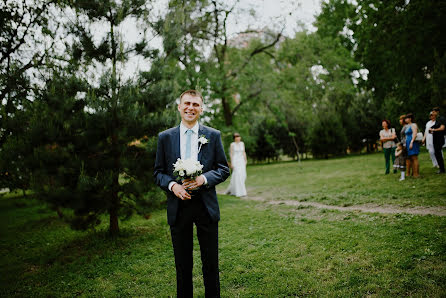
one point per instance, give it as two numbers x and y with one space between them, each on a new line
189 133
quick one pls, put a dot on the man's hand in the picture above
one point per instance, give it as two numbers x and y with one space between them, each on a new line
180 192
190 184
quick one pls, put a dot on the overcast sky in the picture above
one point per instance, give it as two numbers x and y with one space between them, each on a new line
293 12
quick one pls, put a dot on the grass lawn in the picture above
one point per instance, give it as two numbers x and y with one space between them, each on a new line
265 250
346 181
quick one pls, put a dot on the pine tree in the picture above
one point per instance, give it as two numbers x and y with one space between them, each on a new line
86 132
26 31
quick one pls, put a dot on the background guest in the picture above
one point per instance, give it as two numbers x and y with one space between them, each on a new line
438 132
387 137
400 160
428 139
403 138
403 129
412 146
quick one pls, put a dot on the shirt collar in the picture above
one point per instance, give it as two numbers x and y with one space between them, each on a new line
183 128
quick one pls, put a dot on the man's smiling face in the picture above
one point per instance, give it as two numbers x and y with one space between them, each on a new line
190 108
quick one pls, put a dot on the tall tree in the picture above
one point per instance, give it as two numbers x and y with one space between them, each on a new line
400 43
315 80
23 47
403 46
93 132
27 31
205 50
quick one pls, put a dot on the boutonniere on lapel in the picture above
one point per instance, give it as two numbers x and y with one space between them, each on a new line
202 140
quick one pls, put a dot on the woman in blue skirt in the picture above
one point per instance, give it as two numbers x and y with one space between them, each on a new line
412 146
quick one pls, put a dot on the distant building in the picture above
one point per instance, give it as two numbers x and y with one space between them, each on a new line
242 39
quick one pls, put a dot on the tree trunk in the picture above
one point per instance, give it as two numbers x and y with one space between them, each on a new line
59 212
227 114
114 206
114 224
297 148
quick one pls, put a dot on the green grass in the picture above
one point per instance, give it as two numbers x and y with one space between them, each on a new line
346 181
265 250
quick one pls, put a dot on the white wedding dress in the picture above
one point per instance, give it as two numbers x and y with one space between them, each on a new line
238 177
430 142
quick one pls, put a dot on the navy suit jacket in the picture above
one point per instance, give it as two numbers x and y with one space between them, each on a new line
211 156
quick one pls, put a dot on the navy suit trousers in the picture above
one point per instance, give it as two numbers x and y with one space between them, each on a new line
192 212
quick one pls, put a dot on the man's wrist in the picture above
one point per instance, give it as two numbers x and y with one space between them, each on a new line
204 179
171 184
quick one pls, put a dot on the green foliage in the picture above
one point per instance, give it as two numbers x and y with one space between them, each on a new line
89 144
24 28
184 31
401 44
244 81
266 145
332 19
312 88
226 75
396 71
327 135
362 122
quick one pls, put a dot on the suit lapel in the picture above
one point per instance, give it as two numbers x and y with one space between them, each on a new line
201 131
176 143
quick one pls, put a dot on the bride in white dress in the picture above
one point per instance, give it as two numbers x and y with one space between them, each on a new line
238 165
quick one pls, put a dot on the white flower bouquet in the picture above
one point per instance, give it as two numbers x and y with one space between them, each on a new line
187 169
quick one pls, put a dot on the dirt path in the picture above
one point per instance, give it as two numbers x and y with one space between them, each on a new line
371 208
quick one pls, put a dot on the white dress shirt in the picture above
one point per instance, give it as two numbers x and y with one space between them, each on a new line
193 144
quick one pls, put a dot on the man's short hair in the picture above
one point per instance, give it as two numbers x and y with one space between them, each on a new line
436 109
193 93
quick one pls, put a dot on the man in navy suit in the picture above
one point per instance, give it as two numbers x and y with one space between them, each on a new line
192 201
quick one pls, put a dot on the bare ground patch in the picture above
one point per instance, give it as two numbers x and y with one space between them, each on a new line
370 208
